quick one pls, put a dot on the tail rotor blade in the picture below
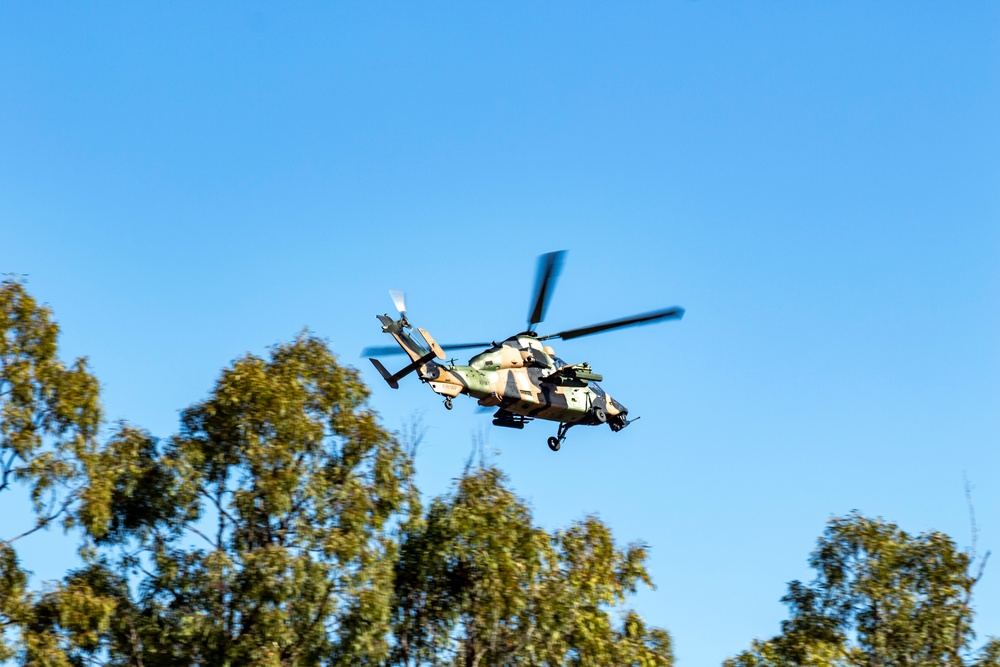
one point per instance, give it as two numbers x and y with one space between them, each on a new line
549 266
398 300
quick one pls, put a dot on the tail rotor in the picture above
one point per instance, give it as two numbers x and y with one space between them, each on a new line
399 300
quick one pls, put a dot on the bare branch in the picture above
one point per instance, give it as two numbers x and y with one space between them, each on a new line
203 536
972 517
136 644
45 521
982 566
7 469
217 503
972 580
413 434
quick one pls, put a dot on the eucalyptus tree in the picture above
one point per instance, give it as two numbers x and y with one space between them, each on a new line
881 598
477 583
262 533
49 416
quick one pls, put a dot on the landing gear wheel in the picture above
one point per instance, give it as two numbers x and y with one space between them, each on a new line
556 441
447 403
600 415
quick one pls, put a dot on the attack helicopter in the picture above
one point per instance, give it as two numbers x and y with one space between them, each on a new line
520 376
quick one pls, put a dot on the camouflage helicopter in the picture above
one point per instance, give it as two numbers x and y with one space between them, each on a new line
520 376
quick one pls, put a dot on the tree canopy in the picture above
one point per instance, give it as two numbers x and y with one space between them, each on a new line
478 584
49 418
881 597
281 526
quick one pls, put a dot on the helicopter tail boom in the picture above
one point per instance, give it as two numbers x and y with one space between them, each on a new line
398 330
419 354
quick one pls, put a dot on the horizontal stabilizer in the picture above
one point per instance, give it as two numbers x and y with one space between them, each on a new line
386 375
393 380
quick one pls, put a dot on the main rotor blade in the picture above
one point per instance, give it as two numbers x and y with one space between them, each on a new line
465 346
381 351
388 350
674 313
549 265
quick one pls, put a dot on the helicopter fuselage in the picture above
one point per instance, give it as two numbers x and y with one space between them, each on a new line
519 376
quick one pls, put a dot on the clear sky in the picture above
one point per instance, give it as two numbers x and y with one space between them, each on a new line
817 183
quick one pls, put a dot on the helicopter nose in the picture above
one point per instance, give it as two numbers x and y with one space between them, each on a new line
620 420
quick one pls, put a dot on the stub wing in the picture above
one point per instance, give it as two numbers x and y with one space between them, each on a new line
573 373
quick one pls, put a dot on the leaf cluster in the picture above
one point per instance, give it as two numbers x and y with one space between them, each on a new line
49 417
881 597
49 413
259 533
478 584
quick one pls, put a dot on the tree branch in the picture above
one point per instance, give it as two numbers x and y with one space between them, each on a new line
972 580
4 482
217 503
203 536
42 523
134 639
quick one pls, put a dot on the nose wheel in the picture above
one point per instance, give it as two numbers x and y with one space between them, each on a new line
556 441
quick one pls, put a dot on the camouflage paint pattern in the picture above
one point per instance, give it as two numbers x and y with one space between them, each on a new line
519 376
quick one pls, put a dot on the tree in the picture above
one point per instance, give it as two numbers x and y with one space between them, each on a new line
260 534
478 584
49 417
881 597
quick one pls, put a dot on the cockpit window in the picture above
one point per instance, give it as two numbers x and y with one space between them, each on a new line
541 358
597 389
559 362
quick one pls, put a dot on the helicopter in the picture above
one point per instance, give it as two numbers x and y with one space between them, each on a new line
520 376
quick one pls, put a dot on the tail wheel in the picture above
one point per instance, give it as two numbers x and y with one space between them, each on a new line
447 403
600 415
554 444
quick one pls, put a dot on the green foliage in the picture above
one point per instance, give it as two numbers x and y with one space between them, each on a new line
13 597
989 655
478 584
49 416
286 485
280 526
881 597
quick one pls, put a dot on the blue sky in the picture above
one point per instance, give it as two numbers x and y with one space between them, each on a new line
816 183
